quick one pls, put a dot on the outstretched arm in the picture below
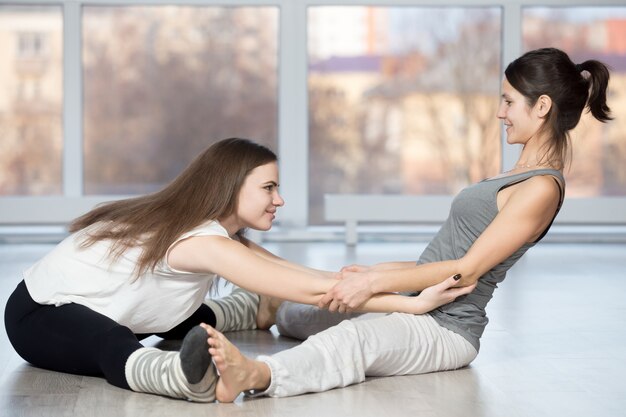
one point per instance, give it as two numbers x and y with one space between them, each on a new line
247 269
521 219
429 299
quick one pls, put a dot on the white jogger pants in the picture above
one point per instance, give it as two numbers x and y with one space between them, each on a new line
394 344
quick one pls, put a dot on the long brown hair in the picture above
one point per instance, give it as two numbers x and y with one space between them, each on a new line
206 190
551 72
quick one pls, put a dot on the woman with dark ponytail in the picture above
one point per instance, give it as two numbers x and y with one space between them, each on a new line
570 87
490 226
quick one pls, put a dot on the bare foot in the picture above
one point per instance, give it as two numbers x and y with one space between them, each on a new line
237 372
266 314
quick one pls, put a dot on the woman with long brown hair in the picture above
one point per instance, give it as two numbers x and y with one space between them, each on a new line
143 266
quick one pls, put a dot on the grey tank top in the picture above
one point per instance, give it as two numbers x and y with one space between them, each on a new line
473 209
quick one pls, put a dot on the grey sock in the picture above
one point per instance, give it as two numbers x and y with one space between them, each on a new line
159 372
236 311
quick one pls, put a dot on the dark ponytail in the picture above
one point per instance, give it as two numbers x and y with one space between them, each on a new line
599 81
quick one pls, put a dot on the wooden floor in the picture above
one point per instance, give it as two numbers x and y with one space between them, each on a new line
555 346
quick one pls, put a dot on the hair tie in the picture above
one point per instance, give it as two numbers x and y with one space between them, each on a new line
579 68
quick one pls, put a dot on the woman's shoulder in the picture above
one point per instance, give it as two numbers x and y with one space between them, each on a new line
550 181
542 191
180 256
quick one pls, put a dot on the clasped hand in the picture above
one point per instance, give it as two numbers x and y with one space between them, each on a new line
353 289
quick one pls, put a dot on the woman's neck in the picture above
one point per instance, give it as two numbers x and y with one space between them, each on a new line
533 155
230 224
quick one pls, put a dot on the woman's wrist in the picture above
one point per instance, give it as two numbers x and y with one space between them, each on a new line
373 281
418 306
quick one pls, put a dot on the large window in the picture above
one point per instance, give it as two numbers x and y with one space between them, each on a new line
598 167
31 86
163 82
402 100
103 99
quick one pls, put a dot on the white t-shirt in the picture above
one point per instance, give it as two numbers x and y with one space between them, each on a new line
153 303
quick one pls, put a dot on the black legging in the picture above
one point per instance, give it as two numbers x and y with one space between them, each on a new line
75 339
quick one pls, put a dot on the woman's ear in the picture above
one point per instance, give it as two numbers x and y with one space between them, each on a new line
543 105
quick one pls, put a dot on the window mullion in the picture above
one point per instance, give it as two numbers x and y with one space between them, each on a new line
511 49
72 103
293 118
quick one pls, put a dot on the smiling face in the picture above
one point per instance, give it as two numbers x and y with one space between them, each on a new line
522 121
258 198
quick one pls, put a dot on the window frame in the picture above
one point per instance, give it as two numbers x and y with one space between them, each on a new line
293 143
